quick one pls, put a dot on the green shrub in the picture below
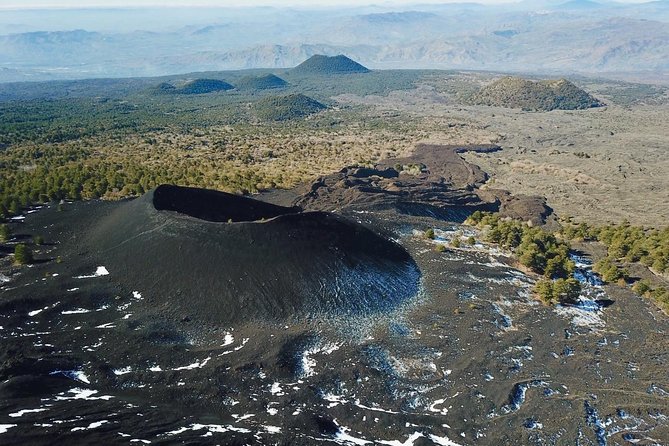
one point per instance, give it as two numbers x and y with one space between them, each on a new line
429 234
5 233
609 271
543 289
641 287
564 291
22 254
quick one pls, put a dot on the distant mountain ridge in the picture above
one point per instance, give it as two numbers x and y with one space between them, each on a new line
553 36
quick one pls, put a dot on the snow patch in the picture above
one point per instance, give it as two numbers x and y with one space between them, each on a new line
213 428
99 272
21 413
586 313
76 311
107 325
81 394
76 375
5 427
433 407
239 347
276 389
94 425
343 437
375 409
227 340
441 441
195 365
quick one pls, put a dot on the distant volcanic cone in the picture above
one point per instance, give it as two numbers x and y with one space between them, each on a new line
224 258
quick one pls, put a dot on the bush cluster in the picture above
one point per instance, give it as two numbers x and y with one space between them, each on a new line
538 250
564 291
535 248
627 243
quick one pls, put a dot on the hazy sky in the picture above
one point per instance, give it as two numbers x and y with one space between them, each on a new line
19 4
30 4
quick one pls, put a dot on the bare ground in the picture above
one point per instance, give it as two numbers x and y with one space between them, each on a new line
597 165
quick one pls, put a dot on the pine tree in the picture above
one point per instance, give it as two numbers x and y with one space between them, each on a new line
22 254
5 234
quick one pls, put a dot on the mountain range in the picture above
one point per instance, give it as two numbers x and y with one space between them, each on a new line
578 36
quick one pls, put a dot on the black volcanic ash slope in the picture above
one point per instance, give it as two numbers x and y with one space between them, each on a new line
176 247
513 92
328 65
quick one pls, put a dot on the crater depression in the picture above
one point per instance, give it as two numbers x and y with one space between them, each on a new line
225 258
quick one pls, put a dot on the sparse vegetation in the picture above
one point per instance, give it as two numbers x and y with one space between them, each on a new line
429 234
235 158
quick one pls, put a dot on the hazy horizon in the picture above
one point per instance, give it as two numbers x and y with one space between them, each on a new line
124 39
110 4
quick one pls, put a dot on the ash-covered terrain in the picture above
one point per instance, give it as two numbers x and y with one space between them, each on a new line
320 315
